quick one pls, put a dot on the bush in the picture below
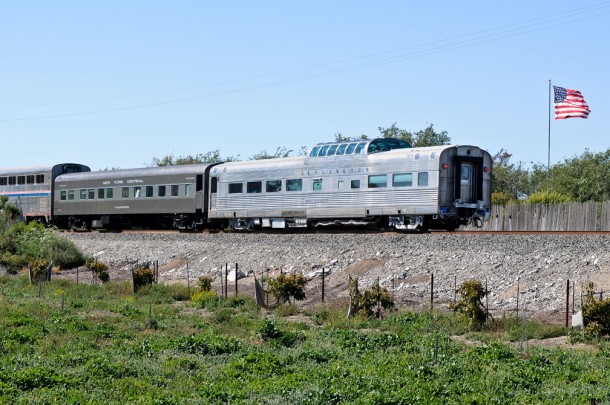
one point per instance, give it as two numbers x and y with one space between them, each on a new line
470 303
142 277
285 286
205 299
596 313
372 301
552 198
99 268
500 198
204 283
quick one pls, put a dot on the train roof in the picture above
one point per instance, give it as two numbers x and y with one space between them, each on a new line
144 171
32 169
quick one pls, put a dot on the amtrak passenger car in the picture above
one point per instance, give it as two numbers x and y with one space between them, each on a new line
379 182
30 188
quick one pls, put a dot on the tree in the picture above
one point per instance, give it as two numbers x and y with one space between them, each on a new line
583 178
208 157
339 137
510 180
280 152
424 137
8 213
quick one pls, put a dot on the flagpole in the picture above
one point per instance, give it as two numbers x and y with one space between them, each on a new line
548 162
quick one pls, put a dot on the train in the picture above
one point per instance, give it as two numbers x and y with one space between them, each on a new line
381 182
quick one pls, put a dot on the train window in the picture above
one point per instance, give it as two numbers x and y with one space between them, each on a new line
187 189
12 180
236 188
254 187
341 149
317 185
83 194
63 194
360 148
378 180
341 185
3 181
314 151
422 179
273 186
294 185
161 192
101 192
30 179
465 174
355 184
150 191
332 150
39 178
125 192
109 193
174 190
350 148
402 180
70 194
20 180
323 150
137 192
91 193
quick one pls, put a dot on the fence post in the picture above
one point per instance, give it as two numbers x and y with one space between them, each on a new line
486 297
188 278
567 301
267 290
157 271
236 278
510 223
573 289
432 291
322 284
77 274
517 297
226 280
222 288
455 289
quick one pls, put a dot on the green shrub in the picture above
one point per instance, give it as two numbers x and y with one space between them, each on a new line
205 299
500 198
142 277
470 303
286 310
285 286
552 198
269 332
99 268
372 301
596 312
204 283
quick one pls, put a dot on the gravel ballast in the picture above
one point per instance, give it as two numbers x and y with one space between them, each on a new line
536 265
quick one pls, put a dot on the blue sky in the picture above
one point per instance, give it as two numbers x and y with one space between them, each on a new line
116 83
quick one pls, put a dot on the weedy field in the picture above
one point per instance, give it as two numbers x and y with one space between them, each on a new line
101 344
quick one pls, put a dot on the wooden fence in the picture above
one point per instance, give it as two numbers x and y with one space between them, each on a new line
590 216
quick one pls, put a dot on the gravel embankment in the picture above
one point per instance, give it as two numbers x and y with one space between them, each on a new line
402 262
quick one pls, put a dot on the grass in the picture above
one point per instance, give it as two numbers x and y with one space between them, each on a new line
109 346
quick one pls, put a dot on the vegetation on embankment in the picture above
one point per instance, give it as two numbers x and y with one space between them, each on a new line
67 343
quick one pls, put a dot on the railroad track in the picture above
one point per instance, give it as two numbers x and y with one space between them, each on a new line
361 231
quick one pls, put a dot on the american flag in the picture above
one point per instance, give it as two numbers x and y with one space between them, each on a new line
569 104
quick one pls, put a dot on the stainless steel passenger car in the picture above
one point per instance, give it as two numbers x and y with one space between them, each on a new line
167 197
356 183
31 188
